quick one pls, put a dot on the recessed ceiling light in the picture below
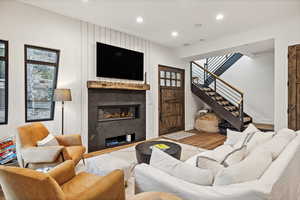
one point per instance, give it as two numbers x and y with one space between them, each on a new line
85 1
174 33
139 20
219 17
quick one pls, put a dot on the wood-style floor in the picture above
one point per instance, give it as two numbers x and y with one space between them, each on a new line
201 139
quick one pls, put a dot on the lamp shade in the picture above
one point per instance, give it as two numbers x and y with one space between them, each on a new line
62 95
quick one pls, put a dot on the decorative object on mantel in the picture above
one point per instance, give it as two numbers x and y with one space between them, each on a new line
62 95
117 85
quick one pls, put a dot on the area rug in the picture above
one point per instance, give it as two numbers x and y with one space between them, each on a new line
125 159
178 135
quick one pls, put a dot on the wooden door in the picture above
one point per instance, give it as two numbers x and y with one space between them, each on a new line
171 99
294 87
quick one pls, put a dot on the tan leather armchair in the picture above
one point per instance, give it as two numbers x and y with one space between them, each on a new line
70 147
60 183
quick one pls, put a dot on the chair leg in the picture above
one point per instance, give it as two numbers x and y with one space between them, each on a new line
27 164
83 160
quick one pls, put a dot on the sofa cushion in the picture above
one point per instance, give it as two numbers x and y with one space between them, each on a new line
74 153
235 156
277 144
208 163
50 140
251 168
179 169
232 137
257 139
79 184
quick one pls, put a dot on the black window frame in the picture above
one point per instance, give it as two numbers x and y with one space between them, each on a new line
5 58
26 61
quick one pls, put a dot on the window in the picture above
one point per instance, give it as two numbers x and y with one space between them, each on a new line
41 68
3 81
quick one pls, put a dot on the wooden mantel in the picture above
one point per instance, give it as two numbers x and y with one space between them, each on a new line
117 85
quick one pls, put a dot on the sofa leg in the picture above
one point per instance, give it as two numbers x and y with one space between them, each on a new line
27 164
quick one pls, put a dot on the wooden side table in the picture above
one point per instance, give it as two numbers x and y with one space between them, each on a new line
155 196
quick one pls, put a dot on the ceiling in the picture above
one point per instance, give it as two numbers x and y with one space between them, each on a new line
161 17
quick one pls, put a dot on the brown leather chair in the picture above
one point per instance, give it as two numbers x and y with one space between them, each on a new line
70 147
60 183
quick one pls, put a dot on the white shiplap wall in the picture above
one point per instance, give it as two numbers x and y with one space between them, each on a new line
90 35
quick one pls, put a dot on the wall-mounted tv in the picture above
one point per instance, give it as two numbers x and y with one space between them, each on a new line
116 62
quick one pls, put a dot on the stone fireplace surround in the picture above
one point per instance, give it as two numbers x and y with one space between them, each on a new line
100 131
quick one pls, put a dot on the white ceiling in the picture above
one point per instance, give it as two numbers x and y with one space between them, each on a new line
161 17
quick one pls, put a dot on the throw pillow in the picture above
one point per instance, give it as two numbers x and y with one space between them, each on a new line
286 133
246 136
278 143
179 169
232 137
251 168
211 164
50 140
234 157
257 139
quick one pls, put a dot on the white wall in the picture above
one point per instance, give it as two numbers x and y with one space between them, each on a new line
22 24
284 34
255 77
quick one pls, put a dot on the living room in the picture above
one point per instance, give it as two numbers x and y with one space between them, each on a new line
76 34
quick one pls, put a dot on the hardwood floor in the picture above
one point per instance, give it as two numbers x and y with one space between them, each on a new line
204 140
201 139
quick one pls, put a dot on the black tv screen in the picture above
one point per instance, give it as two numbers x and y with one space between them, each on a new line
116 62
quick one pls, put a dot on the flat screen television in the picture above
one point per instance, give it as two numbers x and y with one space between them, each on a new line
116 62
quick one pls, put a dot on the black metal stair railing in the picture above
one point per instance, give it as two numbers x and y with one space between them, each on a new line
219 64
230 93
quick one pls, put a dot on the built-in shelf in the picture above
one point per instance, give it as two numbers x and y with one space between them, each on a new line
117 85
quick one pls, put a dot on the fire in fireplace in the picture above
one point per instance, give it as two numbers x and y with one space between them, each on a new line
117 112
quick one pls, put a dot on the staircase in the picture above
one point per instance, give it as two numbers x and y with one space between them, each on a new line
226 100
219 64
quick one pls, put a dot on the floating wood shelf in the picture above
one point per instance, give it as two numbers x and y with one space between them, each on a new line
117 85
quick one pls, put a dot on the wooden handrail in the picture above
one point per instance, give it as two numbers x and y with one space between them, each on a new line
216 77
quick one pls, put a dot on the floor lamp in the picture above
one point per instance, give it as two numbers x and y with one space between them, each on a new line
62 95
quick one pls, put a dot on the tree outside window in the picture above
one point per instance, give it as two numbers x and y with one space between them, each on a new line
41 67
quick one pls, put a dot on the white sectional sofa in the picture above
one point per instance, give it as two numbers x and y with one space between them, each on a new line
281 181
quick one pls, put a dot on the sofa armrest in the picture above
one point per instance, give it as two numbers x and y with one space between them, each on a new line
69 140
148 178
45 154
109 187
63 172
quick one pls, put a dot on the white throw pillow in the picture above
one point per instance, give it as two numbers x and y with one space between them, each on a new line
251 168
234 157
257 139
179 169
50 140
246 136
277 144
232 137
204 162
285 132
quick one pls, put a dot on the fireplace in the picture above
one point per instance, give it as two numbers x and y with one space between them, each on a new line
115 117
117 112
